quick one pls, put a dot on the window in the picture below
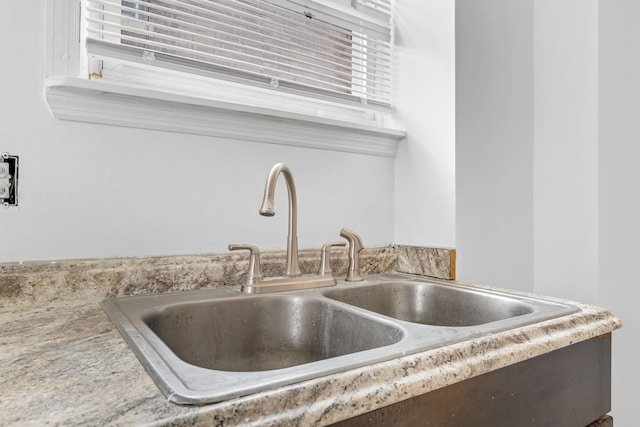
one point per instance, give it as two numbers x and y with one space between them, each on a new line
323 62
250 37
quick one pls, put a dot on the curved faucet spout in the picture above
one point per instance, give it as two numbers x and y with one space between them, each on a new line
292 268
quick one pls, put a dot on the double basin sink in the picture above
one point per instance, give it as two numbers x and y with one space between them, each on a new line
213 345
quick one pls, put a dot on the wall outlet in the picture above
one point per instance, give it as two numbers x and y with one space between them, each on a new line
8 180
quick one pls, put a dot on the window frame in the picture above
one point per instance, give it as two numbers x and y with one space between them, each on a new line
186 110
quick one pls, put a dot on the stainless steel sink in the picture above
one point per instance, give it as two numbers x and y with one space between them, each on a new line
433 303
213 345
260 334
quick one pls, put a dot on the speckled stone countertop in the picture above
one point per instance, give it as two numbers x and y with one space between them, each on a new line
62 361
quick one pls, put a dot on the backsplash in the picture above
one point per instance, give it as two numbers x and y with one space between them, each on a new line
44 282
432 262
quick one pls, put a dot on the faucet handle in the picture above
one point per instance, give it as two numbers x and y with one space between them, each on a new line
254 275
325 266
355 246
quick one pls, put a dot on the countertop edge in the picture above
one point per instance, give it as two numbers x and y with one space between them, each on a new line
355 392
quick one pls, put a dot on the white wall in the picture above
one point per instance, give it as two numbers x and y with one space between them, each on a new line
565 152
424 93
582 159
619 203
526 146
98 191
494 142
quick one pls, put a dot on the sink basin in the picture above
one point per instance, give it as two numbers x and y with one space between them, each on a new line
213 345
259 334
433 303
208 346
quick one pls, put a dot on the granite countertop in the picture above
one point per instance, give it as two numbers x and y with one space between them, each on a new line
63 362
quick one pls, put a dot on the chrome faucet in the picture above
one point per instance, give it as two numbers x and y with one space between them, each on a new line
292 268
292 279
355 246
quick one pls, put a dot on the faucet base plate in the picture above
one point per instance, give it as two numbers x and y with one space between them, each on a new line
281 284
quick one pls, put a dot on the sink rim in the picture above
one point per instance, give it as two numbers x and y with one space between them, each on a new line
184 383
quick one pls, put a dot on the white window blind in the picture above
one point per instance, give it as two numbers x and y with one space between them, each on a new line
339 49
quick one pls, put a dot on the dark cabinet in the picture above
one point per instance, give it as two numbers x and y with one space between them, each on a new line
568 387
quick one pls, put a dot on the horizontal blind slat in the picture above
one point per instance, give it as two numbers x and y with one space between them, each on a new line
235 19
336 48
264 67
370 21
270 38
106 50
178 49
358 19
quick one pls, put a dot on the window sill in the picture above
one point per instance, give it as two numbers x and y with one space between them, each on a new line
95 101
